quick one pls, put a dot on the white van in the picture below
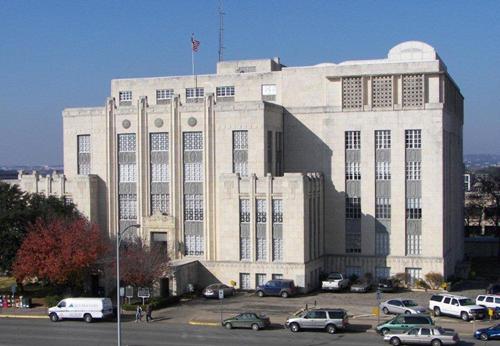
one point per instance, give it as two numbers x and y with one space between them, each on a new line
86 308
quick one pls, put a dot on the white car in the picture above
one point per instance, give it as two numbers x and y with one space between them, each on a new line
401 306
488 301
87 309
458 306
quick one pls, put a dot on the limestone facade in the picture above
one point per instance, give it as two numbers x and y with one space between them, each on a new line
219 166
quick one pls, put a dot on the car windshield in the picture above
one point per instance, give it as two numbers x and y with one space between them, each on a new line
440 330
409 303
334 277
465 302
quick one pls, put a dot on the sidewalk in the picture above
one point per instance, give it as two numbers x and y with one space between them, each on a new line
38 312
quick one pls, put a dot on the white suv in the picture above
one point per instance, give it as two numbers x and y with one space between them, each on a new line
488 301
458 306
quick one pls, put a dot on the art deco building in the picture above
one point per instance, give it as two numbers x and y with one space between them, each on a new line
262 170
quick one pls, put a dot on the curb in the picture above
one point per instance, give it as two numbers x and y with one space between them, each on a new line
23 316
204 323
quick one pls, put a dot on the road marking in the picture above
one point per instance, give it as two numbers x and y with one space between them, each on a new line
23 316
204 323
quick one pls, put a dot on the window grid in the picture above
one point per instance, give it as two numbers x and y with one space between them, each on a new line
159 141
413 139
277 249
413 90
245 281
261 249
193 244
383 170
382 272
127 204
261 216
414 274
413 169
277 211
125 96
245 249
353 207
413 208
277 243
159 173
382 91
353 140
382 243
164 94
277 276
193 207
352 93
383 208
83 143
127 173
195 93
160 202
193 141
413 244
240 152
352 171
383 139
244 210
126 142
193 172
225 91
260 279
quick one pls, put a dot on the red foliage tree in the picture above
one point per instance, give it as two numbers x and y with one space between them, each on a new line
59 251
141 265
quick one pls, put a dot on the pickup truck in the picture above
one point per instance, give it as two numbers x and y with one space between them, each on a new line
335 282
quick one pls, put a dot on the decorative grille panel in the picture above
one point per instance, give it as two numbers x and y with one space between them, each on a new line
413 90
193 141
352 93
126 142
382 91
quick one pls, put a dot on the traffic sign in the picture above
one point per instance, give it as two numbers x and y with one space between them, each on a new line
143 292
129 292
221 294
379 295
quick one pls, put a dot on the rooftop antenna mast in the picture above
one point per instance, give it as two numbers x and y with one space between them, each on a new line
221 31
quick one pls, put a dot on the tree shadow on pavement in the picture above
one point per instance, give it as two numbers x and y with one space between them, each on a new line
358 328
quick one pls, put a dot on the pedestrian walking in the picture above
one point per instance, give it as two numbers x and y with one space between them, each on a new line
138 314
149 312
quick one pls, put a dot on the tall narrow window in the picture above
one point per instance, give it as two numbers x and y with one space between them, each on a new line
381 243
270 152
160 196
127 180
261 219
193 193
240 152
277 230
413 244
245 243
279 153
83 154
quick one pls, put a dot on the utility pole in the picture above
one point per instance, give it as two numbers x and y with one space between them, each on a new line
221 31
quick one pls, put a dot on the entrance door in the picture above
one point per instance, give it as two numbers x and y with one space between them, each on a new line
164 287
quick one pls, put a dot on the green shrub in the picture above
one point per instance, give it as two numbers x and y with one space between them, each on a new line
420 283
52 300
129 307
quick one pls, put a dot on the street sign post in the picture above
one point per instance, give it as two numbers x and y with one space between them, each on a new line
221 297
129 292
143 292
379 298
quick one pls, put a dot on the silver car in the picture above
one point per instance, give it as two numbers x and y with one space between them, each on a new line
326 319
401 306
212 291
436 336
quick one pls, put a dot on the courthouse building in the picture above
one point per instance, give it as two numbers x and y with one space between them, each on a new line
264 171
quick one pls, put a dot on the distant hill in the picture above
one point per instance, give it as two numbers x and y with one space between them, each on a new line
475 161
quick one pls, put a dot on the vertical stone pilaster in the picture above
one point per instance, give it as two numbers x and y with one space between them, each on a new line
111 178
176 176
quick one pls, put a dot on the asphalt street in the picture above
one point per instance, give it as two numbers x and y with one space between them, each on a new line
41 332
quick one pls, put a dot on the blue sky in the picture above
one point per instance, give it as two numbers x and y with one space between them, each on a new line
57 54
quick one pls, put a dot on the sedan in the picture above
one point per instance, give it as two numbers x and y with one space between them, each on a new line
212 291
401 306
361 287
386 285
489 333
247 320
435 336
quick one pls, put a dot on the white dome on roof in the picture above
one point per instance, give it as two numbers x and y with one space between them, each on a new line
412 50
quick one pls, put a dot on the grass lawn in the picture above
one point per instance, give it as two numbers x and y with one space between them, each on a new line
5 283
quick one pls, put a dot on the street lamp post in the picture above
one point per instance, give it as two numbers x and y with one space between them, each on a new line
118 312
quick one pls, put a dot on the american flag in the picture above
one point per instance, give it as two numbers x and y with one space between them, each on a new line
195 44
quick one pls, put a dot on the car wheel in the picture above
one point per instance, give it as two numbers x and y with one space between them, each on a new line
384 331
87 318
464 316
53 317
436 342
407 312
294 327
483 336
331 329
284 294
255 327
395 341
385 310
260 294
228 325
437 311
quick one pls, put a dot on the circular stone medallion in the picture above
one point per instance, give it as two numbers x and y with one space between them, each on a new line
192 121
158 122
126 123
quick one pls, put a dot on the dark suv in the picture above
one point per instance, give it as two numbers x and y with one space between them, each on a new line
279 287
